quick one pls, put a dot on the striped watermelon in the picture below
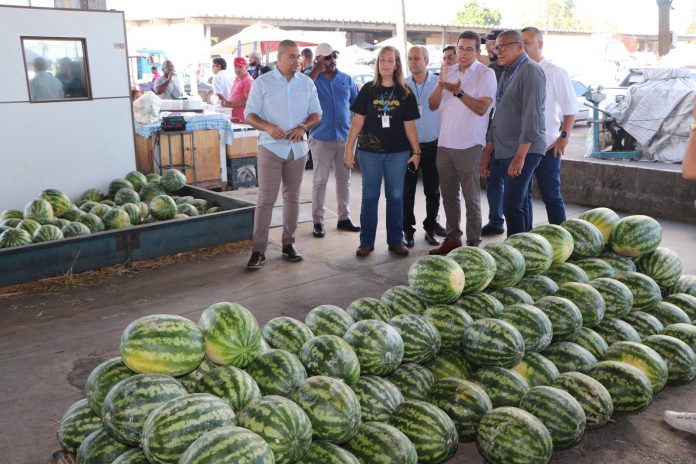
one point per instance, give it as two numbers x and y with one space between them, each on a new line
479 305
511 295
172 180
587 238
644 358
277 372
436 279
534 326
684 332
12 222
232 334
562 273
72 213
368 308
162 344
92 221
569 356
644 323
536 250
492 342
172 427
561 241
685 284
464 402
413 380
28 225
230 384
14 237
328 320
668 313
618 262
134 456
126 195
588 300
686 302
478 265
100 210
510 265
511 435
421 338
592 342
646 293
450 364
101 379
538 286
46 233
592 396
78 422
565 317
618 299
379 347
662 265
504 387
401 299
75 229
187 209
332 408
118 184
327 453
190 380
595 268
116 219
378 398
152 177
635 235
133 211
286 333
378 443
228 445
131 400
615 330
11 214
100 448
150 191
680 358
40 211
603 219
450 321
331 356
162 207
536 369
629 388
429 428
86 206
60 223
137 179
560 413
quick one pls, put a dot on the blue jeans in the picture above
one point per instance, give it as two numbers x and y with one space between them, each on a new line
494 190
548 176
517 200
392 168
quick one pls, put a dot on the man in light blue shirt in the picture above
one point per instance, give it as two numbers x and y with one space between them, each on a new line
282 105
423 83
337 91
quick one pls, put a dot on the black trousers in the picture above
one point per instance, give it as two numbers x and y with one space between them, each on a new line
431 188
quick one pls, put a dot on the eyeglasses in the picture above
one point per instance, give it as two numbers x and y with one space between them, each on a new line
329 57
501 47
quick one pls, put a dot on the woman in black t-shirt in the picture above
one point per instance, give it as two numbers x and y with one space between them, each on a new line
384 119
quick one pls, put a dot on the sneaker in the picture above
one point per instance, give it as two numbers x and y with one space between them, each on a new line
488 229
256 261
685 421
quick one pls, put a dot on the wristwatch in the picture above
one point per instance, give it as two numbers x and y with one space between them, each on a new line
693 126
459 94
304 128
564 135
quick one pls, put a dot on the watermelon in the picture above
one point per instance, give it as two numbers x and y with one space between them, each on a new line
277 372
368 308
560 413
646 293
286 333
14 237
78 422
450 321
592 342
492 342
429 428
668 313
378 443
327 453
511 435
685 284
92 221
134 456
214 209
629 388
464 402
378 398
150 191
228 445
131 400
592 396
172 180
186 209
420 337
162 208
100 210
644 358
72 213
616 330
536 369
588 240
538 286
534 326
116 219
603 219
118 184
536 250
436 279
46 233
92 194
230 384
190 380
59 201
100 448
684 332
413 381
11 214
4 228
510 265
401 299
511 295
328 320
563 273
331 406
565 317
162 344
479 305
450 364
618 262
154 178
331 356
200 204
569 356
60 223
595 268
504 387
588 300
618 299
685 302
478 265
12 222
662 265
75 229
101 379
171 428
133 211
181 200
635 236
137 179
560 239
379 347
232 334
126 195
644 323
680 358
144 209
28 225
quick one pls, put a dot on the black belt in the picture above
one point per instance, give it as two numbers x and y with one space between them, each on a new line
428 144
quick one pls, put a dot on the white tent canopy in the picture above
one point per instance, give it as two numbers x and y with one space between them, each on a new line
266 37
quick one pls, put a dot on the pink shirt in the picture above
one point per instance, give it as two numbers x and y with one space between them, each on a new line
461 128
240 90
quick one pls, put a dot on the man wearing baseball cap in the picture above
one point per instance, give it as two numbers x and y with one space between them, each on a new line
240 90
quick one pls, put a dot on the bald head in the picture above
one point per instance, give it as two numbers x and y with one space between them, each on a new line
509 47
417 60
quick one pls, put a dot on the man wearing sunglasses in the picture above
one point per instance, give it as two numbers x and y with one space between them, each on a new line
336 91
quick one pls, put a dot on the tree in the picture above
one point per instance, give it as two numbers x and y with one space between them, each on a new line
559 15
477 14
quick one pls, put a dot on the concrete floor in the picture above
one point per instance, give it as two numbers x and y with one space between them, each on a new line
50 342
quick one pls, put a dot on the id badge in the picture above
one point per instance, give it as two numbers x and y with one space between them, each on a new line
385 121
420 109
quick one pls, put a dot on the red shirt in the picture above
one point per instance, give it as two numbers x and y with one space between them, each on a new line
240 90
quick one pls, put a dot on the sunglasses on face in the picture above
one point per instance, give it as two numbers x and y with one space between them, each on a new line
329 57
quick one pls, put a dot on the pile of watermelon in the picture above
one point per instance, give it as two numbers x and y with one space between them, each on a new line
133 200
519 347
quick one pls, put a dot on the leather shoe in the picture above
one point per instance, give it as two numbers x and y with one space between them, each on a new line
399 249
440 231
364 250
256 261
430 238
447 246
291 253
408 238
473 243
346 224
318 231
488 229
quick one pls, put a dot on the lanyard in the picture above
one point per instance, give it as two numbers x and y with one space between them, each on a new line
506 81
385 104
415 87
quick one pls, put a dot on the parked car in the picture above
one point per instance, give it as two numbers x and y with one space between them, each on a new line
583 113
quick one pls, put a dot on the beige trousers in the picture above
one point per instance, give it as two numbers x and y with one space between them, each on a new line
327 156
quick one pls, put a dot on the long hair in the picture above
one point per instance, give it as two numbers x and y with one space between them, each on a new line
401 88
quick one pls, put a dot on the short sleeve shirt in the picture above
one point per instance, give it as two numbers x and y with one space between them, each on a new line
240 89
